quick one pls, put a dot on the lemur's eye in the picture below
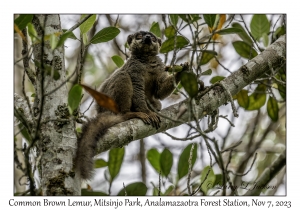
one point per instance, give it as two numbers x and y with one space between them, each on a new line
153 39
139 36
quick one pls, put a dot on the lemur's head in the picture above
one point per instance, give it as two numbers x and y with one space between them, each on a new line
144 42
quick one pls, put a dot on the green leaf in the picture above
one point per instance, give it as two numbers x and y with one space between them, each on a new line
105 35
170 32
209 181
243 99
190 17
72 36
272 108
168 45
118 60
86 192
174 19
207 72
155 191
32 32
282 90
53 41
166 162
207 56
279 32
195 17
259 25
24 132
169 190
153 157
134 189
100 163
210 19
23 20
116 156
155 29
179 86
216 79
85 39
74 97
183 165
244 36
265 39
226 31
88 24
258 98
63 38
219 180
244 49
189 82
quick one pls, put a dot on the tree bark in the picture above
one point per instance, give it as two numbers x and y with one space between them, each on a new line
56 140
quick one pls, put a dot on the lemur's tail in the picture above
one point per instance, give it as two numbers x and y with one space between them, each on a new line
92 131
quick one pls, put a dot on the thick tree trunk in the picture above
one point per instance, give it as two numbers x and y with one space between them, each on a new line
56 139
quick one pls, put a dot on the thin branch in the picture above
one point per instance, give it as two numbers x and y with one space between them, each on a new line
190 168
244 174
25 53
232 147
268 174
78 24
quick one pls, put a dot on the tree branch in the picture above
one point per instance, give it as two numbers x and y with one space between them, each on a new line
268 174
21 104
125 132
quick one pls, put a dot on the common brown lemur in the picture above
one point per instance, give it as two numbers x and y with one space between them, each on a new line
136 88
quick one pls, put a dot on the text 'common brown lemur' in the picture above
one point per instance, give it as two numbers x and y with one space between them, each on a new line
136 88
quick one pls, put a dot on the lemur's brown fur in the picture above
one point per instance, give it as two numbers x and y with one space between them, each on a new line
136 87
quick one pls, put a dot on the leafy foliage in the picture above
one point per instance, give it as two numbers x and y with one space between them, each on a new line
87 25
189 82
105 35
244 49
155 29
134 189
259 25
22 21
118 60
168 45
208 179
74 97
183 166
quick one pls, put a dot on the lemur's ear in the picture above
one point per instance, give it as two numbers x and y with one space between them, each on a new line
159 41
129 39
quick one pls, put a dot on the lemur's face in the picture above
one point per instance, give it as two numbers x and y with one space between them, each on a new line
144 42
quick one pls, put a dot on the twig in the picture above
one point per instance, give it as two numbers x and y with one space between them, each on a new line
230 99
225 117
78 24
268 174
62 84
222 65
193 193
250 34
125 192
159 183
190 168
25 53
232 147
244 174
